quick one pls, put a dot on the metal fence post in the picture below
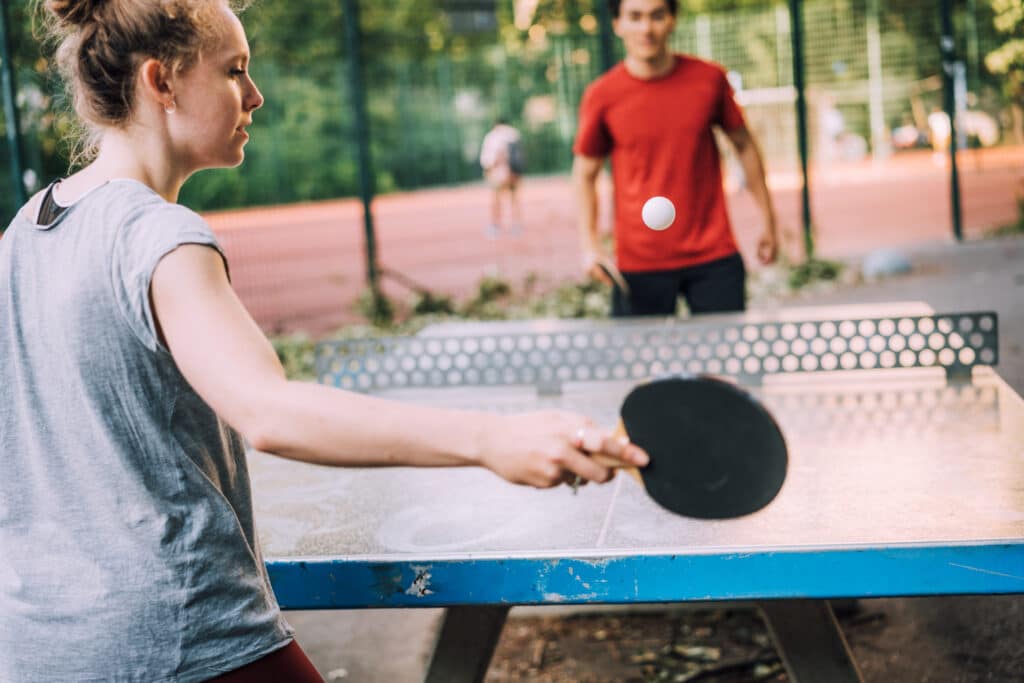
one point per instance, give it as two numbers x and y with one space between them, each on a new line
797 36
362 122
604 20
11 108
947 47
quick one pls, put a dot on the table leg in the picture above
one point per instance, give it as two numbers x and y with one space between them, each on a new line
809 641
466 643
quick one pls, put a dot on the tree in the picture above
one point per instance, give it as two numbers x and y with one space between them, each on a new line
1008 59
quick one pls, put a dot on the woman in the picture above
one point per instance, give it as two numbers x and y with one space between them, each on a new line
502 161
134 377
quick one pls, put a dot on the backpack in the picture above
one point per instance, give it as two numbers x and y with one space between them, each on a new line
516 157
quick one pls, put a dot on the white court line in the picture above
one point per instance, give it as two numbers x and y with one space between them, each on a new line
611 509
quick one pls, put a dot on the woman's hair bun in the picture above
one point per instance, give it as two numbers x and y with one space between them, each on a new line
75 12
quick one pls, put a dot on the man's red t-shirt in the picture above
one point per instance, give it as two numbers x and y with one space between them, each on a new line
659 135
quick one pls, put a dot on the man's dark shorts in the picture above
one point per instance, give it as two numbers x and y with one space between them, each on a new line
715 287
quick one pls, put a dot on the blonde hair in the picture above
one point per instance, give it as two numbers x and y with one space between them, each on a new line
102 43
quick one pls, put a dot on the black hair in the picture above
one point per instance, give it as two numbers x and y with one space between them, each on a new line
615 6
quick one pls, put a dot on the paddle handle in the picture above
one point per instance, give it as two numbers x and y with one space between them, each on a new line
609 461
613 274
615 463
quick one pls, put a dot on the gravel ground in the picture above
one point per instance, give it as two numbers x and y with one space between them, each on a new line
911 640
959 639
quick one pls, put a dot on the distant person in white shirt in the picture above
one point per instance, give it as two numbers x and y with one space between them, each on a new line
940 130
503 162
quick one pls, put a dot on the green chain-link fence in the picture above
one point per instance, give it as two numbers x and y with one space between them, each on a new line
872 68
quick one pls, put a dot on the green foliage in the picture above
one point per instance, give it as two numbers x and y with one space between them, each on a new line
497 299
296 353
813 270
376 308
719 5
1009 16
492 288
311 34
1008 58
490 300
1016 228
432 93
571 300
428 303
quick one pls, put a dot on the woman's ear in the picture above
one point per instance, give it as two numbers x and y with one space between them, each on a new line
155 84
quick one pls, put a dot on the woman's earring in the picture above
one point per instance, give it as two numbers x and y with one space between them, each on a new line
173 107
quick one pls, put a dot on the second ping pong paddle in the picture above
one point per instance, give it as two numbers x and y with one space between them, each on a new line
715 451
609 269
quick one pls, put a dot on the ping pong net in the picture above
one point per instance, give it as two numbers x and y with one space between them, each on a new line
550 354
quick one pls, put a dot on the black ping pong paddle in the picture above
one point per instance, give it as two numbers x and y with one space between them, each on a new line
613 273
716 452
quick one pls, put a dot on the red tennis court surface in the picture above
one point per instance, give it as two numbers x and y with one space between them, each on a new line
301 266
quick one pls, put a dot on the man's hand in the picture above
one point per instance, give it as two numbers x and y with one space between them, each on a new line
768 246
591 268
753 169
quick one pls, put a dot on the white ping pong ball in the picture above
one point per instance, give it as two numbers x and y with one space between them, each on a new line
658 213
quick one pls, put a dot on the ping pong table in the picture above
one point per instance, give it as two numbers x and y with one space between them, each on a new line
906 477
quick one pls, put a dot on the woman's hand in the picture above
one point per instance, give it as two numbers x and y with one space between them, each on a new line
546 449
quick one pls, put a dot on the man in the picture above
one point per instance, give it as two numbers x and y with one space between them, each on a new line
653 114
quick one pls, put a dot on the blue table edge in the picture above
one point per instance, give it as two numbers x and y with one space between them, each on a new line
850 572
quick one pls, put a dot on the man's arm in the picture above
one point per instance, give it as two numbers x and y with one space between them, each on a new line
585 172
753 168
